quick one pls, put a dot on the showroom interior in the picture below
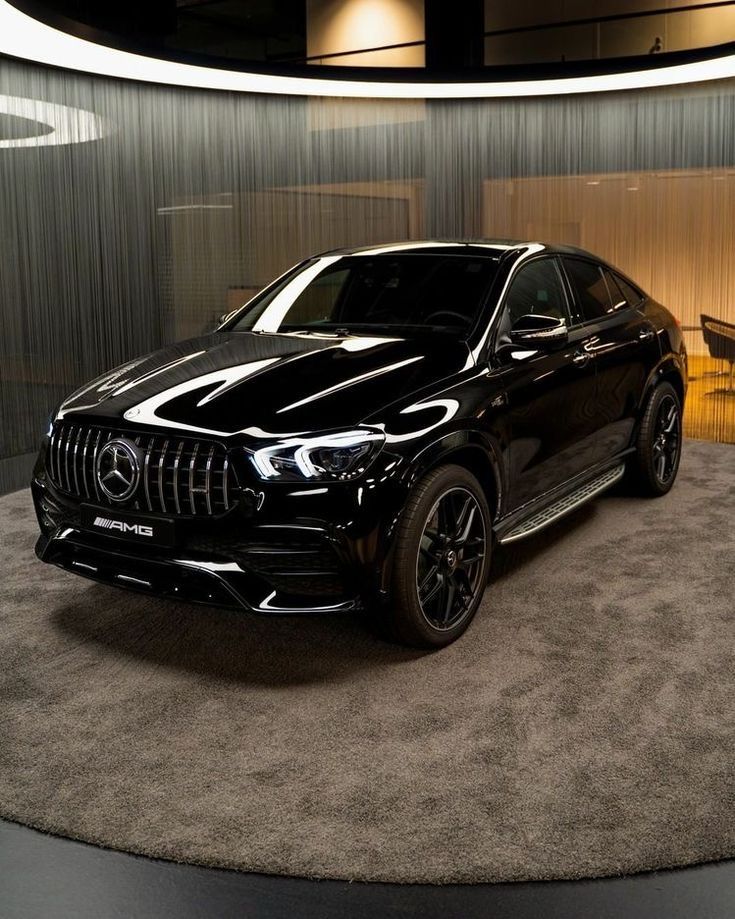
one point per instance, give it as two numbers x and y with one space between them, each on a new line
160 164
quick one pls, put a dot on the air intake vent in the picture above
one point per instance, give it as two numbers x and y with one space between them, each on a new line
179 476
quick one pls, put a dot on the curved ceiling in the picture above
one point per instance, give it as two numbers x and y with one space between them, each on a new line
27 38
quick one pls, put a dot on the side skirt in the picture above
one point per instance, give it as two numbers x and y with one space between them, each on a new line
564 505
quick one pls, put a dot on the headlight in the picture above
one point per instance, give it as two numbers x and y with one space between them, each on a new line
337 457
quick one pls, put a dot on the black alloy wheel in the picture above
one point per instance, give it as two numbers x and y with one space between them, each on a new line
667 439
654 467
450 559
442 559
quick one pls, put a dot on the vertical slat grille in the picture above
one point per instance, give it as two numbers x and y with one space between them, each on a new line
67 444
85 464
177 468
147 473
75 457
161 475
208 479
97 442
225 487
192 478
188 477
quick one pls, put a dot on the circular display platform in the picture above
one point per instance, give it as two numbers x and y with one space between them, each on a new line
584 726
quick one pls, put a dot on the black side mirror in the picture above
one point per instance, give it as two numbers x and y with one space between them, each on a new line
536 331
221 320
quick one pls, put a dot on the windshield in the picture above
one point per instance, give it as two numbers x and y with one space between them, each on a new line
356 293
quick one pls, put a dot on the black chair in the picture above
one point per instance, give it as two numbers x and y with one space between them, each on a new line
719 336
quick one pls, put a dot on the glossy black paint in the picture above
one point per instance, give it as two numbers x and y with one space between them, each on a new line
530 424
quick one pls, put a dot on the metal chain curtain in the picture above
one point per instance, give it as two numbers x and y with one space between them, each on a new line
147 212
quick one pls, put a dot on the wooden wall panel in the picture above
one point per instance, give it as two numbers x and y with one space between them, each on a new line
673 232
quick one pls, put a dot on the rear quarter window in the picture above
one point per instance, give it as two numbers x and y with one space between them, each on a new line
631 293
591 293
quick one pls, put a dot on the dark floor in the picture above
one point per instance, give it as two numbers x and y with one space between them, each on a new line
42 876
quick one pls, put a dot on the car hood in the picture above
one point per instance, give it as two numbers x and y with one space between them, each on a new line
243 382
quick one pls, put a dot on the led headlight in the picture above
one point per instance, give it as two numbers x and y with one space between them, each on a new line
338 457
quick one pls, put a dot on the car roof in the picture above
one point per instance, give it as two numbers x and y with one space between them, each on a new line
488 248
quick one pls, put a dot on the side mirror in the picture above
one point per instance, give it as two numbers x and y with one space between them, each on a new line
220 320
535 331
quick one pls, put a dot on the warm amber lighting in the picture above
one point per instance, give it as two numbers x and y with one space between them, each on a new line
336 26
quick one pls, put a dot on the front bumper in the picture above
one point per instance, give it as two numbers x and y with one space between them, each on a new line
301 551
191 577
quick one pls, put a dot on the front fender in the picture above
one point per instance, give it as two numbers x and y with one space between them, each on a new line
477 449
441 450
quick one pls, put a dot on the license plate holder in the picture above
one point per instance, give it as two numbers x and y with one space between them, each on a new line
141 529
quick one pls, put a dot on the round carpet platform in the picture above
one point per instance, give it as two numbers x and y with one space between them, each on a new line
585 725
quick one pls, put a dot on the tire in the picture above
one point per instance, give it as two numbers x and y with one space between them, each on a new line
441 561
654 466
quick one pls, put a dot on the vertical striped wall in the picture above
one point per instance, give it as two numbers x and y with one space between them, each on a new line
163 208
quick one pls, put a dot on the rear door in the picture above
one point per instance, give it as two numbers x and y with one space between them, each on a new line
550 393
624 348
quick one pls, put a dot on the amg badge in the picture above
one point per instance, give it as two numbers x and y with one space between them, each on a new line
138 528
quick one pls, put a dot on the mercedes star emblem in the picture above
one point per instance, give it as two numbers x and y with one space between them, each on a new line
118 469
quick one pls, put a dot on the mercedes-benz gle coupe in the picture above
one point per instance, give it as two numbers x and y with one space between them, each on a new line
366 431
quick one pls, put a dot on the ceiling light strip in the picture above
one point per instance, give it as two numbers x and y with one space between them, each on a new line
24 37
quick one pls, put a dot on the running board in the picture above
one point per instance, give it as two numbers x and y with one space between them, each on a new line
565 505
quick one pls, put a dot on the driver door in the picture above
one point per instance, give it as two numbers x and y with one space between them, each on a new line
550 392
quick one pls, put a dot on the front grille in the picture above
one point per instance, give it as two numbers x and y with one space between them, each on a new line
179 476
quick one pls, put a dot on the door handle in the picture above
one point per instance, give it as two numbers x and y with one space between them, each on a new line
646 334
580 357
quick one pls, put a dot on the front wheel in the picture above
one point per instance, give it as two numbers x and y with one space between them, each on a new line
442 559
658 449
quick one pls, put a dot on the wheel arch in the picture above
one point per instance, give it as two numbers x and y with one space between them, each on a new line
671 374
668 370
473 451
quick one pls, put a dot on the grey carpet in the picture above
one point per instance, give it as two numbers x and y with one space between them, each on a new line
585 725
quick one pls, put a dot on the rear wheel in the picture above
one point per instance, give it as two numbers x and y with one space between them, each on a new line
658 449
442 559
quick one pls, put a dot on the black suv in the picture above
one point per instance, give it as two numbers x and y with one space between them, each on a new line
365 431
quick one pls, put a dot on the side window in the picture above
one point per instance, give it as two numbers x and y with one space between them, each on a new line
590 289
537 289
631 294
618 298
